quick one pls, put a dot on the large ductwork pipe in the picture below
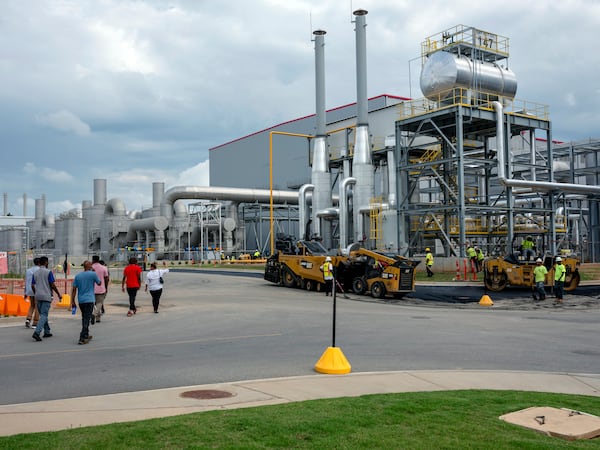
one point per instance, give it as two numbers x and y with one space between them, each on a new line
343 210
115 207
533 185
362 166
224 193
391 171
321 177
158 223
304 227
99 192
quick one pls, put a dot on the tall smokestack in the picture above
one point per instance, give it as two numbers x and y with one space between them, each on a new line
158 190
321 178
24 205
5 195
99 192
362 167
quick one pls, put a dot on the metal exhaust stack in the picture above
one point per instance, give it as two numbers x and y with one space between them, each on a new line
362 167
321 177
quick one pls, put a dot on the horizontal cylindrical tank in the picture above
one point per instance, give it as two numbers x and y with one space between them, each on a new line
445 71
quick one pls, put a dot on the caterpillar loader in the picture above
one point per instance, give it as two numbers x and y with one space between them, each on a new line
359 270
500 272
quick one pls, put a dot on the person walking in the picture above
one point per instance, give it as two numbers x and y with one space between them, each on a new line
84 283
101 290
154 284
32 312
560 272
539 277
429 262
132 278
43 285
327 269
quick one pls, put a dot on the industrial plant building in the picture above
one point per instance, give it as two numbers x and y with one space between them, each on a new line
469 162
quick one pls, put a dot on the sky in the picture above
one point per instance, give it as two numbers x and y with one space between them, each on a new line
137 92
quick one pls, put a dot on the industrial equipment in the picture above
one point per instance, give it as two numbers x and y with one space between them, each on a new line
359 270
500 272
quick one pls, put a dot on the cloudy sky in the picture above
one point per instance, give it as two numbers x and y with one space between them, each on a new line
138 91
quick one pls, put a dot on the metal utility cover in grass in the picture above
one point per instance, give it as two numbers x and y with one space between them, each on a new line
563 423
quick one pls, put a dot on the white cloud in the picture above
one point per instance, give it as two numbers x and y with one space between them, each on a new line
47 174
195 176
65 121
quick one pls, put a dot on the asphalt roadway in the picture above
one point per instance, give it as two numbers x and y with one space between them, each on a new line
222 327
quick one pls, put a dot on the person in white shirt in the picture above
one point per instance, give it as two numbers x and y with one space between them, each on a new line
154 284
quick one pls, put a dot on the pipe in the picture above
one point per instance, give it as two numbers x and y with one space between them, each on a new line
361 66
223 193
391 170
114 207
158 223
303 208
343 210
24 205
99 192
534 185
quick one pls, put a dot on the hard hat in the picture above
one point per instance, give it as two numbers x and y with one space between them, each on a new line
538 260
558 259
427 249
328 259
529 238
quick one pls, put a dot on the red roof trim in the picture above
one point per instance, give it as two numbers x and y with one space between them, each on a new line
304 117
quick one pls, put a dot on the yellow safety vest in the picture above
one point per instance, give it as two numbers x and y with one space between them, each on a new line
327 269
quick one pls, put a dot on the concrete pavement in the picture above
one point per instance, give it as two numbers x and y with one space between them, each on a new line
132 406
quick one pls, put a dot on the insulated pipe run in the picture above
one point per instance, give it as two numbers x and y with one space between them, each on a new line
534 185
343 210
303 208
391 167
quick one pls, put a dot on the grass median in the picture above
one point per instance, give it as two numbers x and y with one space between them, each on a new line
422 420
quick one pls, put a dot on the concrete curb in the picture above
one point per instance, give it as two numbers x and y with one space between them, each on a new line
132 406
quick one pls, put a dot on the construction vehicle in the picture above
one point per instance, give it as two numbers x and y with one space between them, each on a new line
357 270
500 272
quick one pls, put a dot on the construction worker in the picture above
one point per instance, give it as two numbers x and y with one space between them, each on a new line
472 255
256 254
539 276
528 248
428 261
480 258
560 272
327 269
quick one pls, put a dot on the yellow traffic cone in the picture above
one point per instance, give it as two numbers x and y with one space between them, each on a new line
486 300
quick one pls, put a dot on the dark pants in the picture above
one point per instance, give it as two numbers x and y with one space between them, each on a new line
429 271
328 286
156 298
559 289
132 292
86 315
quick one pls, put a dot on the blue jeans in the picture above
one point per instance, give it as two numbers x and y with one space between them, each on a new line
541 290
43 307
86 316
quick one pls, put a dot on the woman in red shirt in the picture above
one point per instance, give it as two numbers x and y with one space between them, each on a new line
132 278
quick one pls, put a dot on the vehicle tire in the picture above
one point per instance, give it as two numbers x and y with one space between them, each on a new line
378 290
310 285
359 285
287 277
572 281
495 283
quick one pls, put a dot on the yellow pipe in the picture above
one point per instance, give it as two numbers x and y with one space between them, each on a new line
271 222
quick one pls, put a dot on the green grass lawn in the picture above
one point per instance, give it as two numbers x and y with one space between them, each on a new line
423 420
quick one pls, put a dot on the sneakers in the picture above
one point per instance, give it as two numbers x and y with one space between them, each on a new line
36 337
28 323
129 313
85 341
98 320
48 335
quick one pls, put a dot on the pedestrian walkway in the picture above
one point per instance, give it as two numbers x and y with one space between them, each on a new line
132 406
